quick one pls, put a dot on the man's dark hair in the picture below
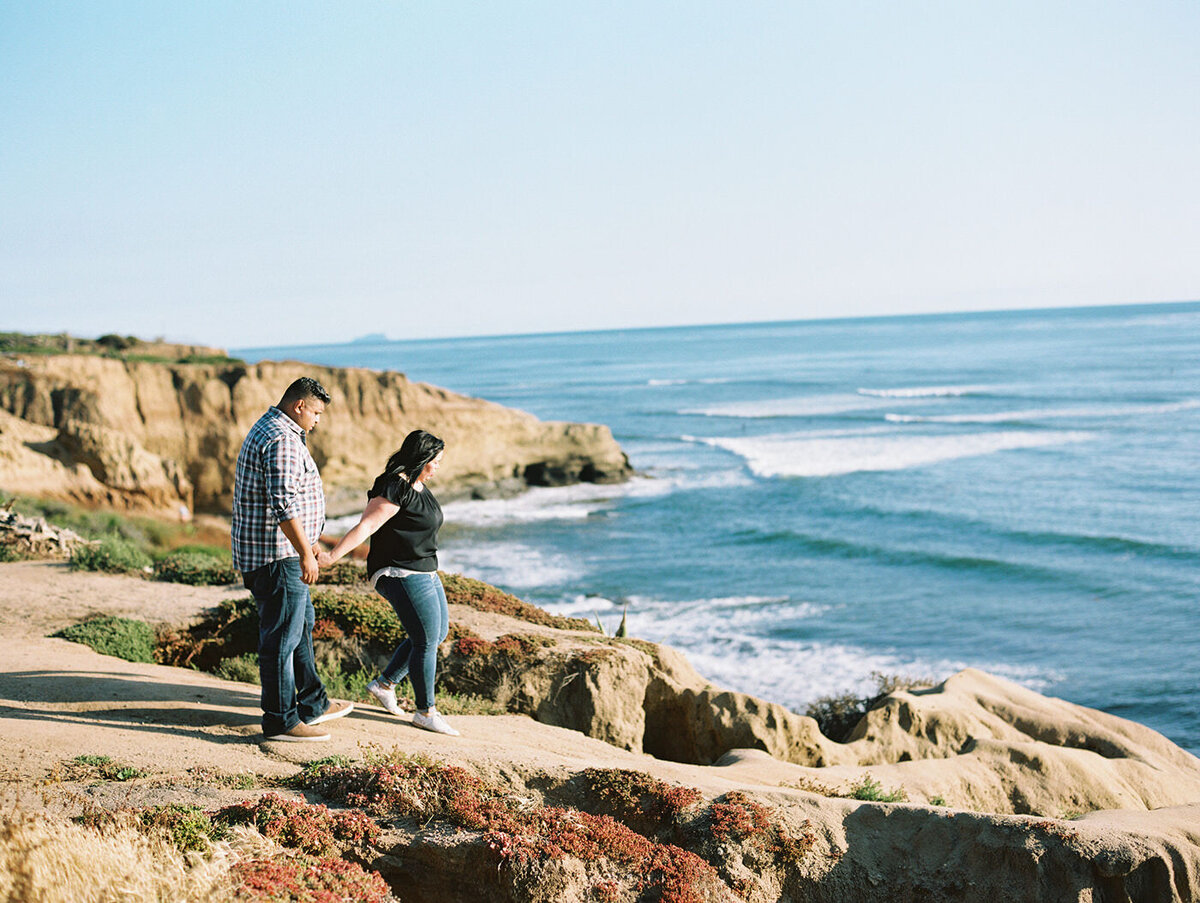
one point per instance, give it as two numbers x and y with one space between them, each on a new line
305 387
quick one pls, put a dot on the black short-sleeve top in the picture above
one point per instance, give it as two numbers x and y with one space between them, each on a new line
408 539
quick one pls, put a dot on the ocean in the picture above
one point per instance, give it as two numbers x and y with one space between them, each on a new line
821 501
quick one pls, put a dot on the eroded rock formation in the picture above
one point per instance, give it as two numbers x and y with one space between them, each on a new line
156 436
975 741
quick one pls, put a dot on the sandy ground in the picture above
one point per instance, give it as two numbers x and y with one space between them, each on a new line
59 700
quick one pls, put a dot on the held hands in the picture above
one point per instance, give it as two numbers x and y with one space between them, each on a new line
324 559
309 568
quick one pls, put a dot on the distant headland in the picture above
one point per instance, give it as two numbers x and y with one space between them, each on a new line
124 423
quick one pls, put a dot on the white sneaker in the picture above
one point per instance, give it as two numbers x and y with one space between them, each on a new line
386 696
433 722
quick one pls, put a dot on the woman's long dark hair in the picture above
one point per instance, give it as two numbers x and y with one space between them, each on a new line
417 450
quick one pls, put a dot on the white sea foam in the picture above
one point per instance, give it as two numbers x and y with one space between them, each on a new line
644 611
537 504
795 675
1035 414
930 391
810 406
730 611
724 640
339 526
493 512
584 606
803 455
704 381
544 503
512 564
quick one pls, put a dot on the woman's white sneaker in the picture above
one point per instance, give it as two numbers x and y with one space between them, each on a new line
386 696
433 722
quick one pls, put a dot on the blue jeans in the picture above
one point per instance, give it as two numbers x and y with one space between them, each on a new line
420 603
291 690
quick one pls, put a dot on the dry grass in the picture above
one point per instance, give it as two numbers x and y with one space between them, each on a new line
54 861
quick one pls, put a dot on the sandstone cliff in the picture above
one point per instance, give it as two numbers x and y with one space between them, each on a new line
146 435
975 741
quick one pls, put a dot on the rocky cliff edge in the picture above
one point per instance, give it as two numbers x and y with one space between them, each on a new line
154 436
1010 795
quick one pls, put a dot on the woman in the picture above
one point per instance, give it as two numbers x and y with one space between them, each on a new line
402 518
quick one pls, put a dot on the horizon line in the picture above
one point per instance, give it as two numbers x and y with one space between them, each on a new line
367 340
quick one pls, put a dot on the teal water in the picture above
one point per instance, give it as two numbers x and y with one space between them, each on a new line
1012 491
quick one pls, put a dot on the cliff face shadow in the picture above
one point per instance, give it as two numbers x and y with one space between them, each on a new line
972 856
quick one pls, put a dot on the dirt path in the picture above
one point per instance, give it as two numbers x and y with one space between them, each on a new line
59 700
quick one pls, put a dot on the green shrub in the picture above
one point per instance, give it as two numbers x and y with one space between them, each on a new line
121 637
872 791
886 684
484 597
111 554
344 684
201 548
188 828
93 760
636 799
196 568
91 766
229 631
457 703
243 668
147 532
344 573
837 716
365 616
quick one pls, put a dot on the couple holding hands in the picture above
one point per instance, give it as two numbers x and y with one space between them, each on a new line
279 511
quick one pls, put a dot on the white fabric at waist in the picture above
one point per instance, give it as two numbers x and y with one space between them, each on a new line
394 572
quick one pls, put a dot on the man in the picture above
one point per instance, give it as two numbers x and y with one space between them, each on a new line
278 515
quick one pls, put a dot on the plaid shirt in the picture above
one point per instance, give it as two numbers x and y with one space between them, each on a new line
276 480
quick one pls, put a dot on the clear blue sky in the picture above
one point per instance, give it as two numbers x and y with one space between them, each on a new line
279 173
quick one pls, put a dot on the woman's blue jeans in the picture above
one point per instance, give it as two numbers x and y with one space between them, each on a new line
291 690
420 603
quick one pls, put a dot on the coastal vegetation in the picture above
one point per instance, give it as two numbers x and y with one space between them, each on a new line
123 347
267 849
681 848
126 638
484 597
866 788
197 566
839 715
140 539
112 555
89 767
685 858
